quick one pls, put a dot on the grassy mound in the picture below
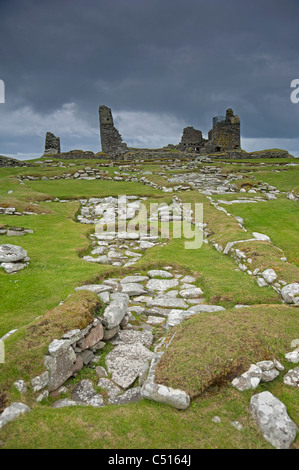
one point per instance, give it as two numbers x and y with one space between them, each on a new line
209 349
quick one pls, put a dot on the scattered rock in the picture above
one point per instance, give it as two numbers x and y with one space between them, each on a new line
271 416
292 377
12 412
290 293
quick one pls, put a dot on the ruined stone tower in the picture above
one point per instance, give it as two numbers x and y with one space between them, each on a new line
191 139
52 144
225 134
111 140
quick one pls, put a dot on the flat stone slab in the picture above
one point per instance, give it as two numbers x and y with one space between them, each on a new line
131 337
133 289
202 308
130 396
129 279
126 362
84 392
191 293
96 288
168 302
161 284
160 273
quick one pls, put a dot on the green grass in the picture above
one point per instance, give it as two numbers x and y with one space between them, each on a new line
278 219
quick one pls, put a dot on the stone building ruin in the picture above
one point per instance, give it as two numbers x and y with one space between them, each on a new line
111 140
223 137
52 144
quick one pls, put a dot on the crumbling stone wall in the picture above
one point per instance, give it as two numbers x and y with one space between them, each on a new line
191 139
111 140
52 144
7 162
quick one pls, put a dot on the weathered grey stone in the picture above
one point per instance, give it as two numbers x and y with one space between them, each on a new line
292 377
168 302
12 412
13 267
39 382
126 361
101 372
249 380
59 346
269 375
204 309
21 386
160 273
73 335
60 368
134 279
261 237
188 279
261 282
116 310
176 316
271 416
278 365
265 365
84 392
162 394
133 289
96 288
112 390
65 402
269 275
11 253
161 284
191 293
130 396
290 293
42 396
108 334
131 337
95 335
293 356
87 356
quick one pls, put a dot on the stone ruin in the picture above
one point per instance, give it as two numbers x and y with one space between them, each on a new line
52 144
7 162
111 140
223 137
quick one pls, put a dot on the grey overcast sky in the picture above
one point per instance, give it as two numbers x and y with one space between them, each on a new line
161 65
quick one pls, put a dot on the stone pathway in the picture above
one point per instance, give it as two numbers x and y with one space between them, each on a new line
124 247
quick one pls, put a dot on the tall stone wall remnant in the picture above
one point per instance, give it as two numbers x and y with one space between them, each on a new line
52 144
111 139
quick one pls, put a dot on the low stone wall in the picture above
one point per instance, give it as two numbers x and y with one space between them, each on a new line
7 162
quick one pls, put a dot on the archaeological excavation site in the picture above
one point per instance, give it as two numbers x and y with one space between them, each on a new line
150 296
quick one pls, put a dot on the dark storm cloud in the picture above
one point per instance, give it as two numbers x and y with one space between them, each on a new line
183 60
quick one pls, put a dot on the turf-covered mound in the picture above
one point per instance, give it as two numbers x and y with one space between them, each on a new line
209 349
